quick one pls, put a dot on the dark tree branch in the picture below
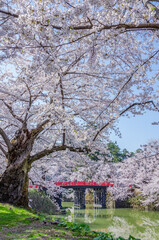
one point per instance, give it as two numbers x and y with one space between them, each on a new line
5 20
6 139
142 26
131 26
125 110
4 152
12 113
29 103
63 107
9 13
36 131
47 152
79 149
69 4
10 94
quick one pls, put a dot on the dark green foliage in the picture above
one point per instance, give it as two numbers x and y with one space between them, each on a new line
136 202
84 229
117 154
41 202
94 156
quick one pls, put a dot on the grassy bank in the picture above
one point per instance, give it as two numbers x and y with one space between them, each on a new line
18 223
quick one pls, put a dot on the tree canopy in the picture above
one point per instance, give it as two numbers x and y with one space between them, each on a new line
69 70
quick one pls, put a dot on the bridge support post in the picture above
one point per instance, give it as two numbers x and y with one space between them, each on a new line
58 199
103 198
76 193
97 197
100 197
79 197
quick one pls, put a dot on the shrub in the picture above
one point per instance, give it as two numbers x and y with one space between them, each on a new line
136 202
41 202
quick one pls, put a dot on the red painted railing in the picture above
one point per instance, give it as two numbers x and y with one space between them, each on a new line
33 186
77 183
83 183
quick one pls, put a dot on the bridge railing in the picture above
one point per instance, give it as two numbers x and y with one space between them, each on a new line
84 183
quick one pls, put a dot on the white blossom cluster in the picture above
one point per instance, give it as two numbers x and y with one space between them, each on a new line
138 175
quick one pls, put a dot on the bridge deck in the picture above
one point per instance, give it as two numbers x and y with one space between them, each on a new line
84 186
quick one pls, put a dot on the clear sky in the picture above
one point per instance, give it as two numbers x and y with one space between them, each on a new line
137 130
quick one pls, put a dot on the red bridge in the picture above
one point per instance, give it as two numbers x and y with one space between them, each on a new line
79 188
72 184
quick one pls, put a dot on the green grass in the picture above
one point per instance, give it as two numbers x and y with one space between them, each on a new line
67 204
18 223
10 216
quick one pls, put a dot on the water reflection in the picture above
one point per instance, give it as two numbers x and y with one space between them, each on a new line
121 222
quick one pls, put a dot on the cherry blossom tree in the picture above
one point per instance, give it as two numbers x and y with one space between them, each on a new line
140 173
45 175
70 69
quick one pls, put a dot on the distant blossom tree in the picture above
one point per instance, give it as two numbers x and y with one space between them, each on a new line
69 70
140 172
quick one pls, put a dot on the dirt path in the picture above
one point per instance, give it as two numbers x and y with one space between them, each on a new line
38 231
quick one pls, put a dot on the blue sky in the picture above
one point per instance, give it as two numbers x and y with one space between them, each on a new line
137 130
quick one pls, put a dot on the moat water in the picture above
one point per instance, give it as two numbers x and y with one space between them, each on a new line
121 222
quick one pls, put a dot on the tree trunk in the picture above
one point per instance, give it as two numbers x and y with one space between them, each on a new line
14 181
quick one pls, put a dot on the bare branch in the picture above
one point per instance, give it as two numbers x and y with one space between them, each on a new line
125 110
